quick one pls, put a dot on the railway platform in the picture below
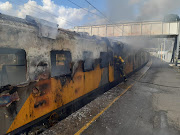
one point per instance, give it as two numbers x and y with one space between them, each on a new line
147 104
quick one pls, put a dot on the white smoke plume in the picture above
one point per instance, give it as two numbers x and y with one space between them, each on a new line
131 10
157 9
120 10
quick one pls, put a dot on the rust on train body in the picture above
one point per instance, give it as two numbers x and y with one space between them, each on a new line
43 69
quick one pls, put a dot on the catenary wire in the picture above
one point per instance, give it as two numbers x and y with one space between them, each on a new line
67 22
84 8
97 15
104 15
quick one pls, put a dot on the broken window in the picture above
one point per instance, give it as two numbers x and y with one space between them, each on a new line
88 61
129 58
110 57
104 59
12 66
60 63
136 55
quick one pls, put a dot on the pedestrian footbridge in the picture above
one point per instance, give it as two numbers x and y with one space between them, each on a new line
132 29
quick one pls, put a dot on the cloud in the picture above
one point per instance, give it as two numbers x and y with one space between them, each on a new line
71 14
5 6
52 12
48 11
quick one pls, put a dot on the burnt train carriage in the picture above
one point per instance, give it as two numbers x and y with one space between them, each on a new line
45 70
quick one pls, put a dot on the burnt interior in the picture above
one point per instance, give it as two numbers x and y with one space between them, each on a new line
110 57
118 49
60 63
104 59
12 66
88 61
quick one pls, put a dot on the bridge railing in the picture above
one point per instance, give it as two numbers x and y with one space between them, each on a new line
131 29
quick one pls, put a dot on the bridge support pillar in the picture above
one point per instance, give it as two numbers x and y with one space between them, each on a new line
178 54
174 53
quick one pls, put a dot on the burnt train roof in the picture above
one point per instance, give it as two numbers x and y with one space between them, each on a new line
27 22
14 19
69 32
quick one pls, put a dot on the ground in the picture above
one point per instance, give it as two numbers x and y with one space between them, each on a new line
150 106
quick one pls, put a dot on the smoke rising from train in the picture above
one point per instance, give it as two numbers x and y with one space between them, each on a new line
123 10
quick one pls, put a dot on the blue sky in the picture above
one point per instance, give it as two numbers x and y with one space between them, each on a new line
61 11
100 4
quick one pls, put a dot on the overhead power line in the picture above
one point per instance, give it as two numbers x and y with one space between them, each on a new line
45 11
97 9
84 8
103 15
66 21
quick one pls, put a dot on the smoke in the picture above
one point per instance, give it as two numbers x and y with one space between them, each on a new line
141 42
94 19
120 10
157 9
131 10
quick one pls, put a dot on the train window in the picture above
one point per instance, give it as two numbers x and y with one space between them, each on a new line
88 61
12 66
136 56
110 57
60 63
104 59
129 58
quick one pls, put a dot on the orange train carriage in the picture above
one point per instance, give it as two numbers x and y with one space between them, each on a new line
47 72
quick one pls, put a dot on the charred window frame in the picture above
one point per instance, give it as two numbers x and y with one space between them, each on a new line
104 59
60 63
110 58
13 66
88 61
130 58
136 56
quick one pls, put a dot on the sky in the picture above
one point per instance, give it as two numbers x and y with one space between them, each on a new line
68 15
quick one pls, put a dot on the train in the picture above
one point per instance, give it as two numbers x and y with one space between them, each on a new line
46 72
